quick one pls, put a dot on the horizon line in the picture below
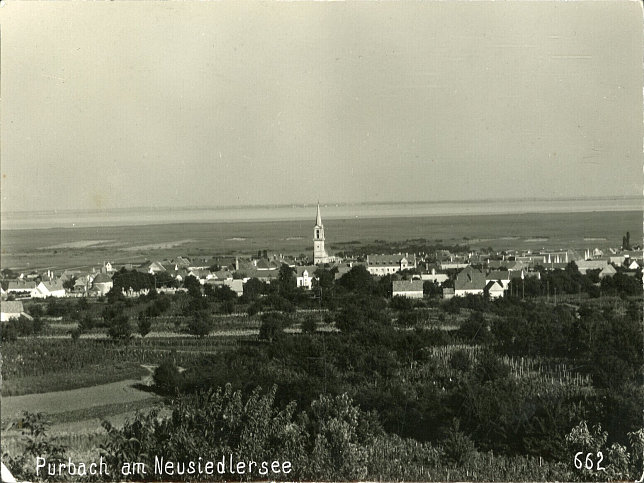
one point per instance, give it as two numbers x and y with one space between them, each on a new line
313 204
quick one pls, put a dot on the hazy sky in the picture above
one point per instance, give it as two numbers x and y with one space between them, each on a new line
119 104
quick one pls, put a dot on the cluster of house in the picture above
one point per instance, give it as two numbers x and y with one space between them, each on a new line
495 276
494 279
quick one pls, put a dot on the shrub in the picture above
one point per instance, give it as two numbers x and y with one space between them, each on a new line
144 325
76 333
36 443
460 360
272 327
120 328
309 325
167 377
8 331
199 325
457 446
86 323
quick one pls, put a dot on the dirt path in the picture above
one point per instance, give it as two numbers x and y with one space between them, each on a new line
74 399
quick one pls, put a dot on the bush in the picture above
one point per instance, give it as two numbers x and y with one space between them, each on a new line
199 325
75 333
8 331
309 325
167 377
36 443
120 328
144 325
272 327
460 360
457 446
86 323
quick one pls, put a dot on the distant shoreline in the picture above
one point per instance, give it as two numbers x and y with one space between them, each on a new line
155 209
300 219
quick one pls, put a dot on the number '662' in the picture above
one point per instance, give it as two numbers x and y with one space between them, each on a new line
589 462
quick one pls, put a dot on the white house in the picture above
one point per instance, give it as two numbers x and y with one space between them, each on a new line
48 289
494 289
500 276
304 276
412 289
102 283
388 264
20 287
236 286
438 278
632 264
607 271
11 310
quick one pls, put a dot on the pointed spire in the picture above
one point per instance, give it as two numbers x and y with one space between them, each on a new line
318 219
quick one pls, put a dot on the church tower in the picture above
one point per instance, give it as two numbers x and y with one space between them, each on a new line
319 253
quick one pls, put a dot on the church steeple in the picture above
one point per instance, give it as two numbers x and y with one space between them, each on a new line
319 253
318 219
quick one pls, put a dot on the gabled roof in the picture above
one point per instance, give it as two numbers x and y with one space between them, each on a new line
54 285
223 275
21 285
393 259
493 285
498 275
470 279
102 278
299 270
12 307
407 285
264 264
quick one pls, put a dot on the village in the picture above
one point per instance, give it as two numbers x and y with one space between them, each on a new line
443 273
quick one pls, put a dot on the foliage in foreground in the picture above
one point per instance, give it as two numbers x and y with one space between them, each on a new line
333 439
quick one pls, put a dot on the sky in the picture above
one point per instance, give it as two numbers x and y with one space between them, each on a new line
147 104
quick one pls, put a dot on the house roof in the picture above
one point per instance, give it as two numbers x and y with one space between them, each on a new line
54 285
12 307
493 285
393 259
498 275
407 286
21 285
102 278
223 275
200 272
470 279
299 270
608 269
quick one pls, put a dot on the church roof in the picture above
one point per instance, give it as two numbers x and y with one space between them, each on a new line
318 218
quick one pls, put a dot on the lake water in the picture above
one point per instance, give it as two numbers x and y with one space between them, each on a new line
148 216
87 239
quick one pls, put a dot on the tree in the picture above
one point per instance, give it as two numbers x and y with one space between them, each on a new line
120 328
199 325
253 289
272 328
286 280
69 283
458 447
144 325
193 286
358 279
